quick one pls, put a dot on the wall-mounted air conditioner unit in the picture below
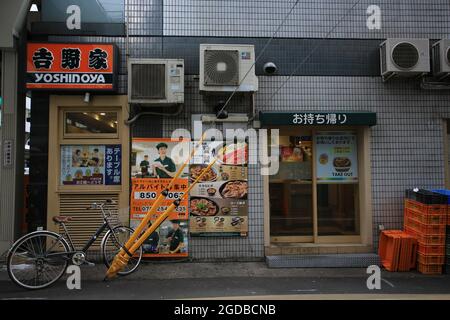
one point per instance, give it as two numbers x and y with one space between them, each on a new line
224 66
156 82
441 59
404 58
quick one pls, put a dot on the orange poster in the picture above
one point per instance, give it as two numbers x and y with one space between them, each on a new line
153 164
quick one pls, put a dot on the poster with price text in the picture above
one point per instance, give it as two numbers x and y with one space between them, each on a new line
218 204
153 164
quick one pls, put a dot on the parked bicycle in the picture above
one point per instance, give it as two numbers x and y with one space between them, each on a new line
40 258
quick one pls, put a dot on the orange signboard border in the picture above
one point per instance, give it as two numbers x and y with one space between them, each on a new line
105 87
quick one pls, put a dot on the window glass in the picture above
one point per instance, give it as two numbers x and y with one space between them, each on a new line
295 158
336 209
90 122
291 188
337 178
291 212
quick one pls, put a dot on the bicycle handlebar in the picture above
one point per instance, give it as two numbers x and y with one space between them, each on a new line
101 206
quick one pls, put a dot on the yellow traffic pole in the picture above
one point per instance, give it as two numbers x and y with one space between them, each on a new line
167 212
124 251
121 259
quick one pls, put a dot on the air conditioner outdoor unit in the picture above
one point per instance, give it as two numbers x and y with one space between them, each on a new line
156 82
441 59
404 58
223 68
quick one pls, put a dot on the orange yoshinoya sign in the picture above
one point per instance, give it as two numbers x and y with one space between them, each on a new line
71 66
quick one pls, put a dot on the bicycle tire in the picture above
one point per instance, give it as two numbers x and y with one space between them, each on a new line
106 257
21 242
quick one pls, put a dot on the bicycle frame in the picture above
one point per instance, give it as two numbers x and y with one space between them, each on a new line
66 234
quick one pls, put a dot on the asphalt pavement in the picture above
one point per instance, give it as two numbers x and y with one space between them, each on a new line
252 280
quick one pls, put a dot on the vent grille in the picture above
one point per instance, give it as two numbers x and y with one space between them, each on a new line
221 67
405 56
437 59
448 55
86 222
383 58
148 81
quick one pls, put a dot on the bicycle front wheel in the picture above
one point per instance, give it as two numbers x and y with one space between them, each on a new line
113 242
38 259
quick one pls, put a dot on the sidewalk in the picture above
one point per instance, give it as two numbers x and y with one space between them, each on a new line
243 280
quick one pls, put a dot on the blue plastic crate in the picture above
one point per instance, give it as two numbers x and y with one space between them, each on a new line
445 192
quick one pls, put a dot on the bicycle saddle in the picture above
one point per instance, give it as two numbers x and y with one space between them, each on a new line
62 219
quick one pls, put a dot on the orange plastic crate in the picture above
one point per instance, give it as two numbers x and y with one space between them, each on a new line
428 218
426 208
425 228
426 259
431 250
411 232
448 215
433 239
431 218
411 223
429 268
397 250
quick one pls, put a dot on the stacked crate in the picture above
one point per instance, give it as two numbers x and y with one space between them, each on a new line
447 249
447 244
397 250
426 219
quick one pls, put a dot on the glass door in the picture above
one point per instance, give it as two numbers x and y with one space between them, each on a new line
336 172
290 190
314 197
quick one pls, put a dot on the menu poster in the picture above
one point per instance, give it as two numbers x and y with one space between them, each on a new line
85 164
153 165
218 204
336 157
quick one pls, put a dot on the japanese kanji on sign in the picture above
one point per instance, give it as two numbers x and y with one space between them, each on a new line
153 165
71 66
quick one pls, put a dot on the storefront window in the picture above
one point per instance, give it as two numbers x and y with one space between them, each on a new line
315 192
337 178
83 123
336 209
291 188
291 209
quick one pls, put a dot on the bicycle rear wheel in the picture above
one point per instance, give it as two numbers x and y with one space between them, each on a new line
38 259
113 242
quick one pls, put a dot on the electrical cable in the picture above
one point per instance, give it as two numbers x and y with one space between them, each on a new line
259 56
313 51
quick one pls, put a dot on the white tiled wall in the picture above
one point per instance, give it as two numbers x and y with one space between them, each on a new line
309 18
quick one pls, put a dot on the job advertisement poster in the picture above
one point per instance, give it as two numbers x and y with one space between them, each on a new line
154 163
218 204
336 157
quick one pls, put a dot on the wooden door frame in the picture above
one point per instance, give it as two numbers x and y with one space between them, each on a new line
364 196
62 103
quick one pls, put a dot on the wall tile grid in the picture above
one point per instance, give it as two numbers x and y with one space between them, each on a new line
407 143
309 18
